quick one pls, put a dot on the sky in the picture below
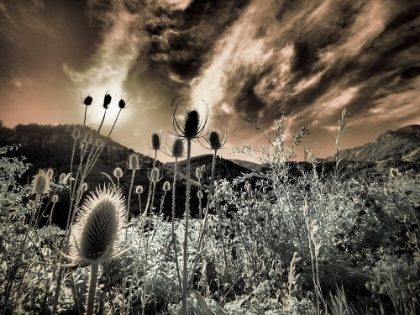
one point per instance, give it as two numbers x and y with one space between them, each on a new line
254 59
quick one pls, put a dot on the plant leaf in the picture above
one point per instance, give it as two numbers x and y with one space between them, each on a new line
200 301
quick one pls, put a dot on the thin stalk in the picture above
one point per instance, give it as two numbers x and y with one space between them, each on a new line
114 123
92 287
173 223
187 214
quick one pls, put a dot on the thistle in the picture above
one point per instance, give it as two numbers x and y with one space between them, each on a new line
97 233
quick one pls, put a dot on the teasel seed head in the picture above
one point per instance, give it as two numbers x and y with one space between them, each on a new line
139 189
200 194
156 143
84 187
215 140
88 138
99 143
118 172
50 173
133 161
155 175
107 100
88 100
192 124
31 204
41 183
177 149
166 186
76 133
98 227
55 199
198 173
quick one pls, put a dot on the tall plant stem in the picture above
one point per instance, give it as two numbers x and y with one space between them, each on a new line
173 223
92 287
187 214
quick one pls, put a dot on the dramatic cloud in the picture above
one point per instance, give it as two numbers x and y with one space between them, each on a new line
245 58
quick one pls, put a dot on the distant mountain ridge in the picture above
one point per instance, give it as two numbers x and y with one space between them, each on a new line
402 144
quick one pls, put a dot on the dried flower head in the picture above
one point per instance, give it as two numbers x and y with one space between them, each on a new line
107 100
88 138
155 175
88 100
156 143
84 187
55 199
139 189
193 126
166 186
215 140
200 194
177 149
76 133
50 173
41 184
198 173
133 162
122 104
118 172
99 143
97 231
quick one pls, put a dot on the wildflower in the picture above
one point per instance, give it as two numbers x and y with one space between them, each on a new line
200 194
133 162
87 100
139 189
97 231
118 173
193 127
166 186
156 143
41 183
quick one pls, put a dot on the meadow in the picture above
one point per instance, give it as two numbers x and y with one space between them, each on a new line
289 238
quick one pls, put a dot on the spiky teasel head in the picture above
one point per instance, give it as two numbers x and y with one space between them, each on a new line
155 141
215 140
177 148
133 161
76 133
166 186
118 172
98 228
41 184
155 174
107 100
193 126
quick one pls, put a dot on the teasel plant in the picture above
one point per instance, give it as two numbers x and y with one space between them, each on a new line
155 145
122 104
40 187
191 129
98 233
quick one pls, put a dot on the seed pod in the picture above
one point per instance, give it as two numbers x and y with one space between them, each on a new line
200 194
139 189
98 228
50 173
118 173
31 204
54 199
215 140
41 183
155 141
88 138
107 100
192 124
177 148
198 173
62 177
76 133
155 175
99 143
121 104
133 161
88 100
166 186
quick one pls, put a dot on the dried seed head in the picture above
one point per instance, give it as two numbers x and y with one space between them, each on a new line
97 231
31 204
76 133
121 104
133 161
118 173
107 100
215 140
203 168
166 186
41 183
155 175
198 173
84 187
200 194
88 100
192 124
62 177
54 199
99 143
177 148
139 189
88 138
155 141
50 173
